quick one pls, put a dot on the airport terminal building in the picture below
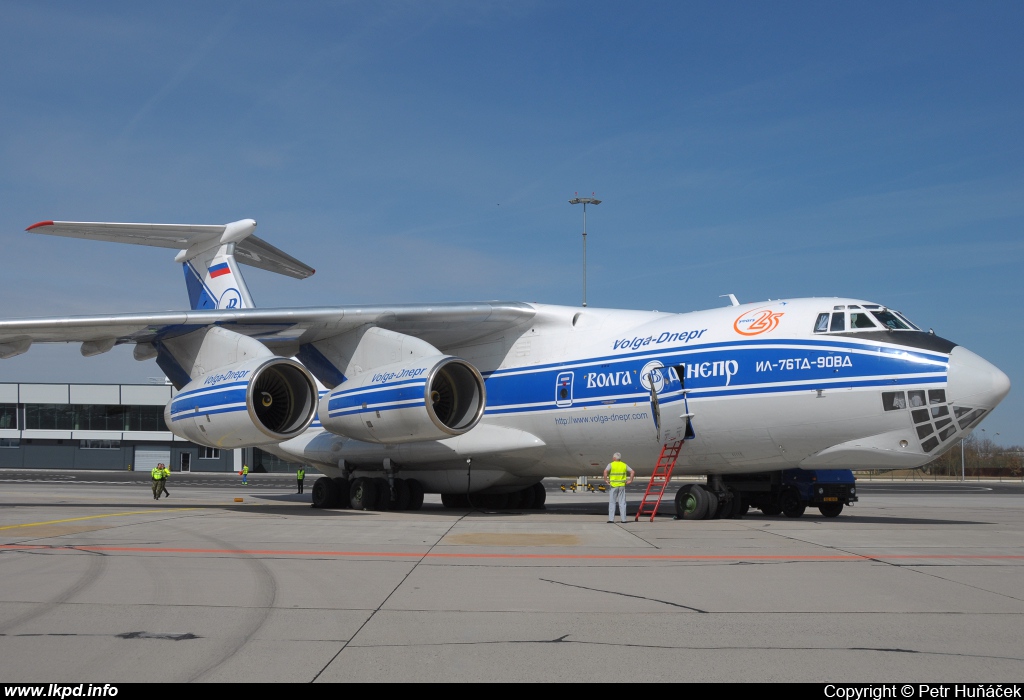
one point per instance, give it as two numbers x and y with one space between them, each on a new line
109 427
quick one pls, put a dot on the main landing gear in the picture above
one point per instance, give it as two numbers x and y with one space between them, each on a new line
366 493
789 492
694 502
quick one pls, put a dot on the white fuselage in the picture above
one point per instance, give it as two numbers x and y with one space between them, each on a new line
765 390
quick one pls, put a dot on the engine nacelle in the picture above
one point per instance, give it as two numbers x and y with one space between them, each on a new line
257 402
430 398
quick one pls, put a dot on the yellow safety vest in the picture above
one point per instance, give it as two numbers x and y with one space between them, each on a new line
300 474
167 472
157 473
618 474
245 468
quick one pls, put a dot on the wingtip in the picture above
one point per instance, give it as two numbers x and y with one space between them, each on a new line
39 225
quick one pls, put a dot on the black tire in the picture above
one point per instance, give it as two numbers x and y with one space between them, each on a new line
362 494
789 502
415 494
714 505
489 501
342 485
772 508
831 510
527 497
325 493
452 500
540 495
691 502
736 507
402 495
383 494
514 501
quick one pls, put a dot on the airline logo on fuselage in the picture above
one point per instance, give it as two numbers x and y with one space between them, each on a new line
757 322
406 373
599 380
636 343
716 368
225 377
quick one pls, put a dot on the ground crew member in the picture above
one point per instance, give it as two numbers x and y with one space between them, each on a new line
617 474
299 476
167 475
245 474
159 476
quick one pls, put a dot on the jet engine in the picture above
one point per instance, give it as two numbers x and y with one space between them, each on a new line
256 402
430 398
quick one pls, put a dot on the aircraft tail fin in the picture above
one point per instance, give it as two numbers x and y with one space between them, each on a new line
209 254
214 280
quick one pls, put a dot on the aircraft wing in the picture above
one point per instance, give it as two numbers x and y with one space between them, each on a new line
249 249
441 325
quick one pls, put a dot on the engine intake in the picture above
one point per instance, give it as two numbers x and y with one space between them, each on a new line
259 402
431 398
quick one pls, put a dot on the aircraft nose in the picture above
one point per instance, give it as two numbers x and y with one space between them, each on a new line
974 381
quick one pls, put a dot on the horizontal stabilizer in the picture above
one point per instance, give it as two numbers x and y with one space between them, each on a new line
189 238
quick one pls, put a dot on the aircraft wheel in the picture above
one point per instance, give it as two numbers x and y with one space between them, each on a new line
341 484
527 497
453 500
714 505
831 510
402 495
383 489
325 493
515 500
540 495
691 502
790 503
362 494
415 494
736 507
487 501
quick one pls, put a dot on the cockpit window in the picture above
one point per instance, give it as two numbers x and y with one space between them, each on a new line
892 321
906 320
861 319
869 317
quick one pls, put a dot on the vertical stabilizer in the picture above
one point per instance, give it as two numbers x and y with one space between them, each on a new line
214 280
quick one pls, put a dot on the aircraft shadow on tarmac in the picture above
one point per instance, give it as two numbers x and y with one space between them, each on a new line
299 505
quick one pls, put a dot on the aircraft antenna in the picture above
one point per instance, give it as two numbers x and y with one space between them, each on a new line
584 201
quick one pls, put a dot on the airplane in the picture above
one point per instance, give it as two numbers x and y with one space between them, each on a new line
486 399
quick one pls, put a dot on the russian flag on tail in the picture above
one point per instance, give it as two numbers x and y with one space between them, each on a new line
220 269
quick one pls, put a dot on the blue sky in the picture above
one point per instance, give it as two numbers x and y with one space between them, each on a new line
425 151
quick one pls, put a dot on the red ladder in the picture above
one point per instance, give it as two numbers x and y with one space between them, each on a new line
659 480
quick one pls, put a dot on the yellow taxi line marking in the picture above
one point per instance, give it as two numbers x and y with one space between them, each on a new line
91 517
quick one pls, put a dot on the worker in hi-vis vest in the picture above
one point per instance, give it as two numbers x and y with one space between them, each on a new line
617 475
159 477
299 476
245 474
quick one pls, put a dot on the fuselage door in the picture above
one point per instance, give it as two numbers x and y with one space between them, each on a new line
563 389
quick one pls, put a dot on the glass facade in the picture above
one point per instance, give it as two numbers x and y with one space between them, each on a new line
90 417
8 416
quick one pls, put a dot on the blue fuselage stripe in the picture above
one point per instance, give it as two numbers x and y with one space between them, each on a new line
713 370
